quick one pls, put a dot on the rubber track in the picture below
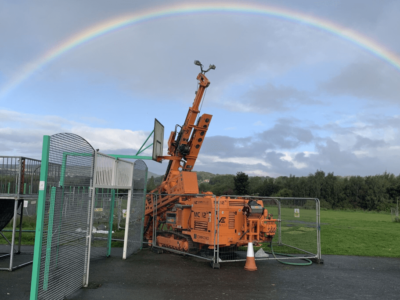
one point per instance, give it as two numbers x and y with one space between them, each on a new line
192 245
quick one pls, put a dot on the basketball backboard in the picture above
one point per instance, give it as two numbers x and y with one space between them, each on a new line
158 139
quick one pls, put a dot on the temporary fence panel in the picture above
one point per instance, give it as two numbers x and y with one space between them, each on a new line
299 229
135 210
297 234
62 230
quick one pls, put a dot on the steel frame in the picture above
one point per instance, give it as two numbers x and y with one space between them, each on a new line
19 196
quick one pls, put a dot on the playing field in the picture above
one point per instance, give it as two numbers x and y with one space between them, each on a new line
342 233
359 233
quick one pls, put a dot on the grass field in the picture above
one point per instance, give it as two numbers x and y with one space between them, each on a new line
359 233
342 232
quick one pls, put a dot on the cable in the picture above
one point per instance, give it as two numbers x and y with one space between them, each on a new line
204 98
308 263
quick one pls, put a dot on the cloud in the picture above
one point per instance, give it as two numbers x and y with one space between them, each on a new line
145 60
270 98
288 147
284 135
356 149
370 81
23 134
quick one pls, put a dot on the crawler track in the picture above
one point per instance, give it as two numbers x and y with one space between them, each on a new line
192 245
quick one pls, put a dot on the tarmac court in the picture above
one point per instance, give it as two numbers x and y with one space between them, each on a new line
148 275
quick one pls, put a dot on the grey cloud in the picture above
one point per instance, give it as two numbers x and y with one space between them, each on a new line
328 158
151 62
329 155
224 145
286 134
372 81
363 143
270 98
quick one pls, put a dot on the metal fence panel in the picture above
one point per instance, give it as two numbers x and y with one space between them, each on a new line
111 172
19 177
135 210
297 233
64 253
9 175
102 215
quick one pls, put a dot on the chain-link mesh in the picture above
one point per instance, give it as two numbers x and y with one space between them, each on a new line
67 215
136 213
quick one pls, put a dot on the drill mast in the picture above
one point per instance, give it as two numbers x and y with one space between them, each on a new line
183 149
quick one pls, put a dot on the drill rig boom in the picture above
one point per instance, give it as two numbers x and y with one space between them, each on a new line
192 220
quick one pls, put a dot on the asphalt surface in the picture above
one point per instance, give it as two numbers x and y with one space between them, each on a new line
148 275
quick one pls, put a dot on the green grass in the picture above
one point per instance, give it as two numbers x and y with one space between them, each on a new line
359 233
342 232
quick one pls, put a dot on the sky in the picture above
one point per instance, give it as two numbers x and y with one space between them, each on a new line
287 98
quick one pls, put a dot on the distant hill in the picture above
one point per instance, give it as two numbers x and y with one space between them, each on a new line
202 176
149 174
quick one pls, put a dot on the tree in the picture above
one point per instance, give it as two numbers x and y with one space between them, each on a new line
284 193
269 188
241 181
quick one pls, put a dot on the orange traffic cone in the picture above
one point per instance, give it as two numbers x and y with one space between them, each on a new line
250 261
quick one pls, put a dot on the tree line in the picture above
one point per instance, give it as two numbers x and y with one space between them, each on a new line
378 192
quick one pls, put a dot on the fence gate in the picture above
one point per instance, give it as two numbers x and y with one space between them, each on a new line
61 241
135 211
75 212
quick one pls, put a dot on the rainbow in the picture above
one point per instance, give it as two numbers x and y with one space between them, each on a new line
184 9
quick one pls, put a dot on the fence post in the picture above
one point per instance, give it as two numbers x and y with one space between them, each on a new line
110 227
128 213
49 238
40 218
90 227
144 205
319 255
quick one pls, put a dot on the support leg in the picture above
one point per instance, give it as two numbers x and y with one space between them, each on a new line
20 227
13 236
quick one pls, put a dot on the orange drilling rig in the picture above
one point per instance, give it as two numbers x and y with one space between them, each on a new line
188 223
